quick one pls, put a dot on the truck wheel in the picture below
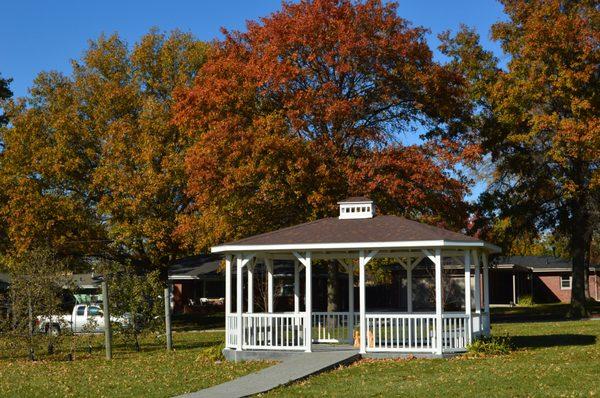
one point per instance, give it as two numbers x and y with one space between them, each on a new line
54 330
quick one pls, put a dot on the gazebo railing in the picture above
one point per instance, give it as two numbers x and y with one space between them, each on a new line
455 331
385 332
333 327
400 332
268 331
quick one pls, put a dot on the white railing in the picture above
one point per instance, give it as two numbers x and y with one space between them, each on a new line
400 332
333 327
455 332
231 331
273 331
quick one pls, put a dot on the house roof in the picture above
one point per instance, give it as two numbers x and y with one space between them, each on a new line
536 263
336 233
194 267
355 199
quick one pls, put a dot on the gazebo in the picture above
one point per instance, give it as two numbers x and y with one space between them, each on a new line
354 239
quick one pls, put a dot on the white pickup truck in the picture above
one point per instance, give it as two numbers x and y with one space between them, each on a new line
84 319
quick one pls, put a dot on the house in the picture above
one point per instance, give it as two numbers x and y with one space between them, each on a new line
354 239
197 283
546 279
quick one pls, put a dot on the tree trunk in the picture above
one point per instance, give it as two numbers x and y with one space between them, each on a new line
580 233
332 286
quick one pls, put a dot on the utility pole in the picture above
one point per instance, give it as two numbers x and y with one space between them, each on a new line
107 331
168 331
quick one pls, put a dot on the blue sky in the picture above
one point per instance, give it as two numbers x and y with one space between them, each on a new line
46 35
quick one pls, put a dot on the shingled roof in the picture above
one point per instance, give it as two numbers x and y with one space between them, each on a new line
380 229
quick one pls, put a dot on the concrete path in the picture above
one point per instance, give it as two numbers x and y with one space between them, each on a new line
291 369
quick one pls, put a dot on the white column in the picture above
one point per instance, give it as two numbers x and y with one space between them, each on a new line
308 303
514 278
477 282
409 288
239 307
362 302
467 261
250 289
228 285
296 286
350 301
438 299
269 264
486 293
227 297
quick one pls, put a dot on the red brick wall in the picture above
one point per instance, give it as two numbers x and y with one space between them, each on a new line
552 282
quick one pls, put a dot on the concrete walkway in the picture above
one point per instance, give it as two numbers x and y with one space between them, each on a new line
294 368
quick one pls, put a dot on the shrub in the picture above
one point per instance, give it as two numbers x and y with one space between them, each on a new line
526 300
494 345
212 354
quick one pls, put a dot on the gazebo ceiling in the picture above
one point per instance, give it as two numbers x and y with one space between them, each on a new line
339 233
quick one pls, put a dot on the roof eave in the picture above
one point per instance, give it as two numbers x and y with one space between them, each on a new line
357 245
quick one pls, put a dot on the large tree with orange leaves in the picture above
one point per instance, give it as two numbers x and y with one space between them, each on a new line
540 121
313 103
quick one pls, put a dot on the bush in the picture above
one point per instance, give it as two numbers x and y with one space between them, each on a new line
525 301
212 354
494 345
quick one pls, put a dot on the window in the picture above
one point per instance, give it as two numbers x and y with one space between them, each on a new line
81 310
565 282
94 311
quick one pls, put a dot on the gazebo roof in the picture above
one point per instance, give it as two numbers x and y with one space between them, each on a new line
384 231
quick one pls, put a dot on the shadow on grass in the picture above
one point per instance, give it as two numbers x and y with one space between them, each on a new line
552 340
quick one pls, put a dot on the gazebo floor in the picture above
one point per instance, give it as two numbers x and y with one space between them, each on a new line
280 355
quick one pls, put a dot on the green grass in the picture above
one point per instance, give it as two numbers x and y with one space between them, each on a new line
551 359
153 372
554 311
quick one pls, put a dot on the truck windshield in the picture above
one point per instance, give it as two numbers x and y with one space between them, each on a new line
94 311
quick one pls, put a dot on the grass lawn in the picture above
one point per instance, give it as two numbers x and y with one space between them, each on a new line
551 359
554 311
150 373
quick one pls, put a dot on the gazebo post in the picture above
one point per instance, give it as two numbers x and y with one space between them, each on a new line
350 301
308 303
269 264
438 300
409 301
296 286
227 296
468 294
477 289
250 288
486 293
361 293
239 307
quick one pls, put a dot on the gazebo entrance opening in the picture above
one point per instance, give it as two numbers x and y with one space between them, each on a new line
354 240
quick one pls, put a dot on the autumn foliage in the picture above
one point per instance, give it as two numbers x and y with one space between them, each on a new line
316 102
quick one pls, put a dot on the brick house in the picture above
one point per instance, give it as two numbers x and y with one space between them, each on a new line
546 279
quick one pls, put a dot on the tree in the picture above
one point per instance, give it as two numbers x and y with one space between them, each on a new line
93 165
5 94
311 104
539 120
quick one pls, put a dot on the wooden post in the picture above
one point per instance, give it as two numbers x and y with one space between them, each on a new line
270 295
227 298
350 301
107 331
168 330
308 301
486 293
409 289
296 286
475 255
362 302
438 300
240 301
468 305
250 289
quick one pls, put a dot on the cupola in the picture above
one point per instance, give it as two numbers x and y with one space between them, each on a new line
356 207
